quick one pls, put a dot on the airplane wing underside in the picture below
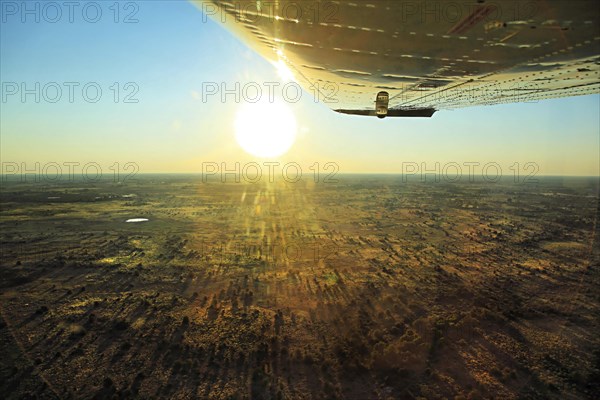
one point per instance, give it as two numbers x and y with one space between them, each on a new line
427 55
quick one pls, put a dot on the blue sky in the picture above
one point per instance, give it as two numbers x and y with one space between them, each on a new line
170 52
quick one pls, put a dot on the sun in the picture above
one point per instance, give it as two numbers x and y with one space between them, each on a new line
265 129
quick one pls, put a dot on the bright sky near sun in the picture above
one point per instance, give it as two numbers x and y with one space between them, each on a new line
164 59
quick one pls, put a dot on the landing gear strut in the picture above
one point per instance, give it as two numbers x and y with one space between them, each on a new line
381 104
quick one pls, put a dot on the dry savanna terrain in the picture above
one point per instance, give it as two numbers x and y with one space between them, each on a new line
368 288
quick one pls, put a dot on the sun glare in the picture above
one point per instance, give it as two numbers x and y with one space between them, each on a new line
265 129
283 71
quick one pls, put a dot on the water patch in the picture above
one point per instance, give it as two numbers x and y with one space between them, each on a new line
137 220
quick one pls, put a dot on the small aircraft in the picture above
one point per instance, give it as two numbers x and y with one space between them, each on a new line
395 58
